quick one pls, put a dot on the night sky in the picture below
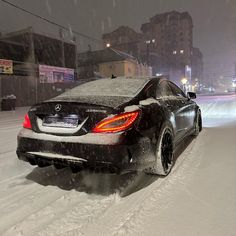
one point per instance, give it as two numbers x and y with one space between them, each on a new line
214 22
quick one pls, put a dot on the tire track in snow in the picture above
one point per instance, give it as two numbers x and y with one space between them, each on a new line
22 187
29 206
135 206
8 140
72 209
10 166
10 128
161 195
15 177
76 210
82 210
26 201
6 155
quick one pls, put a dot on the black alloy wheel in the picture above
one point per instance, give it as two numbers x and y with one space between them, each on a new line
197 124
167 151
163 153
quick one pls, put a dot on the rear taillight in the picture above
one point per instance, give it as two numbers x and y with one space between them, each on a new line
116 123
26 123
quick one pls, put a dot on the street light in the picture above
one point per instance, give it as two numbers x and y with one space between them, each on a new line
108 45
184 81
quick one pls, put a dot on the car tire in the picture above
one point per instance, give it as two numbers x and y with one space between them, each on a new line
164 153
197 124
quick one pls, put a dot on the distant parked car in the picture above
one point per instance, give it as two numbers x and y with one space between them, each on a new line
114 125
230 90
205 90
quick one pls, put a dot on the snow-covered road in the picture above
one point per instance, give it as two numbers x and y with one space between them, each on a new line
197 198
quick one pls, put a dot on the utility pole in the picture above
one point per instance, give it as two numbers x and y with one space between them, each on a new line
33 62
147 53
62 47
76 59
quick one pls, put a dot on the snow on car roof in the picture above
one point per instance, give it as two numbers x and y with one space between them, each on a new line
109 87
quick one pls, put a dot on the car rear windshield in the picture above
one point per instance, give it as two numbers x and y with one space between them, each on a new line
108 87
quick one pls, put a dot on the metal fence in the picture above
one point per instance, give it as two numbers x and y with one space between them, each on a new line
28 90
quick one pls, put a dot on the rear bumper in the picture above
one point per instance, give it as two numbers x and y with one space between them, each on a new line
43 159
96 151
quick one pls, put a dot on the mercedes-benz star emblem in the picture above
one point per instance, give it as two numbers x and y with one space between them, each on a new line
58 107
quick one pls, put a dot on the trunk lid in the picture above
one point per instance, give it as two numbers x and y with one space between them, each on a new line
67 118
105 101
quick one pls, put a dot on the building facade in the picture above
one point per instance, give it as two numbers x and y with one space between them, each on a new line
165 43
108 62
173 35
197 65
39 49
124 39
27 50
125 68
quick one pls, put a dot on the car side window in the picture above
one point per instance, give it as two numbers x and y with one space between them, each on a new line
176 90
151 90
164 90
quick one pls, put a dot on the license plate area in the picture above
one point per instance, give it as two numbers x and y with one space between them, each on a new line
59 121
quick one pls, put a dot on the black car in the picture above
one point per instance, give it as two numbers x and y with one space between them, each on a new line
114 125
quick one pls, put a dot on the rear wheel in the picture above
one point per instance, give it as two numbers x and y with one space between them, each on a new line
197 124
164 153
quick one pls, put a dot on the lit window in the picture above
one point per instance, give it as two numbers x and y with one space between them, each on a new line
181 51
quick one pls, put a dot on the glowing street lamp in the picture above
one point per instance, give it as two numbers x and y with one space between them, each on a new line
108 45
184 81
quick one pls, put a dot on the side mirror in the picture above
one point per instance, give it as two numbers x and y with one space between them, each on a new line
191 95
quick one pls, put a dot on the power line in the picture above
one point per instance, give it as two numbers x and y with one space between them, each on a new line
50 21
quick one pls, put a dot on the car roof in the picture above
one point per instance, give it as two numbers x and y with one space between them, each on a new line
136 78
144 78
121 86
111 100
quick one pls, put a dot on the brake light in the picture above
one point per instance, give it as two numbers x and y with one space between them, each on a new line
116 123
26 123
